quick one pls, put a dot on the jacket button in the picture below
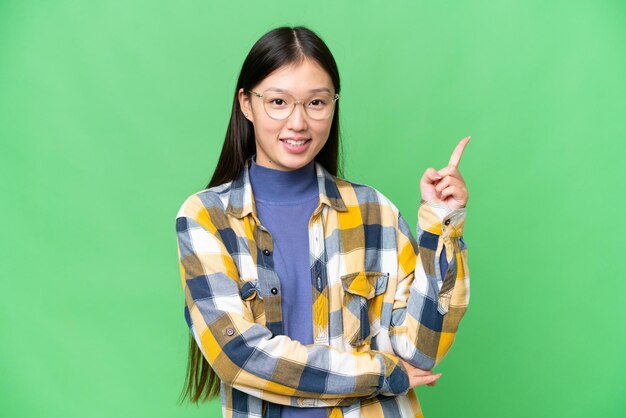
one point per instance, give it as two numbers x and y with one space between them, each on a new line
274 291
230 332
266 252
447 222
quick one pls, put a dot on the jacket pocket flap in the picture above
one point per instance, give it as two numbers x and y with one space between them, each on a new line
366 284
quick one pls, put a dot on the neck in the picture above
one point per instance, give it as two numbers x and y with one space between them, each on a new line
277 186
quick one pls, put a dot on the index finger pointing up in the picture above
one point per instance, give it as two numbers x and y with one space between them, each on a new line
455 159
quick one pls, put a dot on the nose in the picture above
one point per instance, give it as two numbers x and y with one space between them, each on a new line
297 120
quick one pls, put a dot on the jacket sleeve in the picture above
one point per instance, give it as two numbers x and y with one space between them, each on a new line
427 306
245 354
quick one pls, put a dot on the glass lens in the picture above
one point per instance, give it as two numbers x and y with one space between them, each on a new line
280 105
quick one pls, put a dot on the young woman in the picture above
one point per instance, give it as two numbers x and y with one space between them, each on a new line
307 294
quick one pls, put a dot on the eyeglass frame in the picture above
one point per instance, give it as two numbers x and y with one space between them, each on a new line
296 102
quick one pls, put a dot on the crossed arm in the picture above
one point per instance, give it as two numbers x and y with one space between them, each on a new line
246 356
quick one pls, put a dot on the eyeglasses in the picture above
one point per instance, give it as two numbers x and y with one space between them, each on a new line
280 105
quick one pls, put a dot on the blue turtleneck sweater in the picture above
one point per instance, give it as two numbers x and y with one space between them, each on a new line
285 201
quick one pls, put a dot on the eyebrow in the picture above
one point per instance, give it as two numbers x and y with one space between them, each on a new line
311 91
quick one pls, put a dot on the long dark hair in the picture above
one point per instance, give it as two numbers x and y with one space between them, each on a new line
277 48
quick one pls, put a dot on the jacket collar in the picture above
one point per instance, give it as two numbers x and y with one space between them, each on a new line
241 200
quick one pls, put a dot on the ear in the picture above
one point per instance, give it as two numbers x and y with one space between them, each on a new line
244 103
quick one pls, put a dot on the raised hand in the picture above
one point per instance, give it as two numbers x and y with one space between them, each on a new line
446 186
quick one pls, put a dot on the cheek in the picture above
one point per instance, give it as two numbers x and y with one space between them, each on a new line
324 132
268 129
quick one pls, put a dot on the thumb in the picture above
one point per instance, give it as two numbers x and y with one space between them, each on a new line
431 176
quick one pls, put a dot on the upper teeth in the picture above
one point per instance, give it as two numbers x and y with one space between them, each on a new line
292 142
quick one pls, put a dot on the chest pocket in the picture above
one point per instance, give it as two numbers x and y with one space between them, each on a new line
362 305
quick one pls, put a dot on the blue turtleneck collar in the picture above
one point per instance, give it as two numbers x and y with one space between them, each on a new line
283 187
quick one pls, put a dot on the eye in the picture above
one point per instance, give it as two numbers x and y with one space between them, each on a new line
317 102
278 101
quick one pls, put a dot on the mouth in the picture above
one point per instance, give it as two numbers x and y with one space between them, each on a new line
296 146
295 142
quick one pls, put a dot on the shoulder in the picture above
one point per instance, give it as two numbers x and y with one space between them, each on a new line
364 196
209 200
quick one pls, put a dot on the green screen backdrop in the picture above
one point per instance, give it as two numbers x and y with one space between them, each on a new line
113 112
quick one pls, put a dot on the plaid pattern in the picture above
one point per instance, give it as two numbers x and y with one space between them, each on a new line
378 295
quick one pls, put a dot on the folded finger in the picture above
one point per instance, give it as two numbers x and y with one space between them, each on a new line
450 171
444 183
456 192
422 372
424 380
450 191
449 181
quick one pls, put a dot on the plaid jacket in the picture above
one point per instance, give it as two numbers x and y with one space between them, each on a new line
378 295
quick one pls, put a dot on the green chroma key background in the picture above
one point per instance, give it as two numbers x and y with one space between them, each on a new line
112 112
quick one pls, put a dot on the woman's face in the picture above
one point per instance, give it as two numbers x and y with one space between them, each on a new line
272 150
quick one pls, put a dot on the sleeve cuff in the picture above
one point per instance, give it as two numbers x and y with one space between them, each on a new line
394 378
439 219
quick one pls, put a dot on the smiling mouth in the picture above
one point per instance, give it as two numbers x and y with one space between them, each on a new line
296 143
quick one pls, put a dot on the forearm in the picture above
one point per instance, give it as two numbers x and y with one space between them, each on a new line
423 329
321 401
251 357
245 354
